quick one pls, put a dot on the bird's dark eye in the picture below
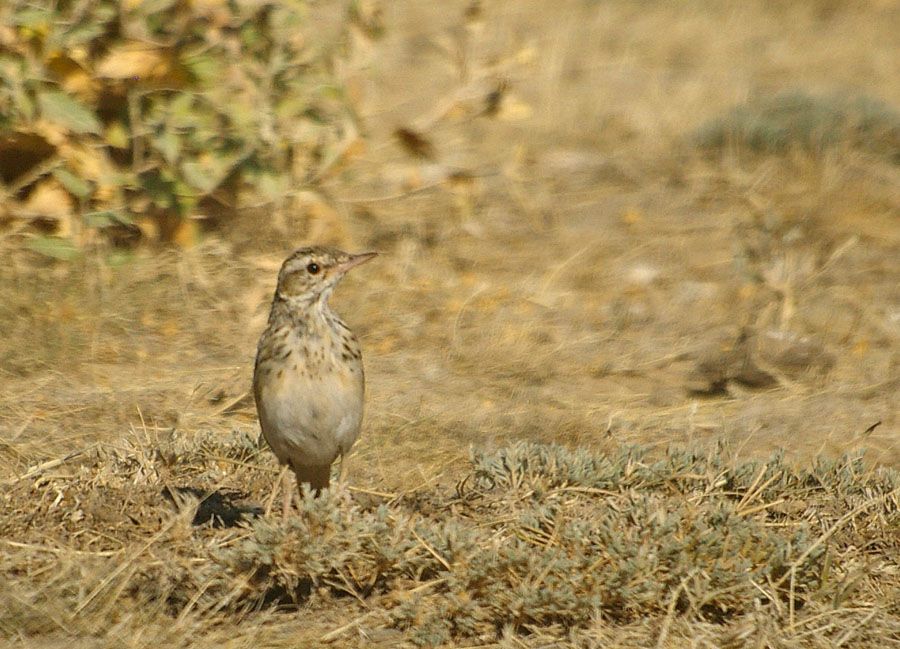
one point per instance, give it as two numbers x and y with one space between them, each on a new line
313 268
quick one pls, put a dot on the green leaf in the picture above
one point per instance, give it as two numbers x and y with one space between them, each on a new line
209 173
119 258
168 144
250 35
159 187
207 68
273 186
61 108
331 91
77 186
33 18
182 105
17 104
155 6
23 104
84 32
244 118
294 106
106 218
185 199
55 247
117 135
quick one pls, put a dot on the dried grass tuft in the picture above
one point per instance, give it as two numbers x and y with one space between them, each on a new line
534 540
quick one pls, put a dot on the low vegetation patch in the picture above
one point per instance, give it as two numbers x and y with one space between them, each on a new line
534 541
799 120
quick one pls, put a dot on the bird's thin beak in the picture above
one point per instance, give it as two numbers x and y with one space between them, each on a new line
356 260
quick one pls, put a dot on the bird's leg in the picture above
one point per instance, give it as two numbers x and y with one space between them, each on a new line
287 489
341 469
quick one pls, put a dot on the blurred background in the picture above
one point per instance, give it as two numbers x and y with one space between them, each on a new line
609 222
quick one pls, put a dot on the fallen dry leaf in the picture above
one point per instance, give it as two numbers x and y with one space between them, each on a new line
414 143
135 60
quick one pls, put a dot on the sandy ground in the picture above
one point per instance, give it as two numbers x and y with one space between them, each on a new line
591 278
568 291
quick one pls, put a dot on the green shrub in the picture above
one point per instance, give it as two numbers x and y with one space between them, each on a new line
124 114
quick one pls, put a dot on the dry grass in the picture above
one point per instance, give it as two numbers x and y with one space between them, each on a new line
535 542
598 283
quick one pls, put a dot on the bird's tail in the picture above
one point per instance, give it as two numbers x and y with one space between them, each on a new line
317 477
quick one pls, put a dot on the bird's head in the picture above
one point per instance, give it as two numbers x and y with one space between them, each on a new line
310 274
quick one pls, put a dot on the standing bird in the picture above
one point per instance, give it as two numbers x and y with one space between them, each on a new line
308 379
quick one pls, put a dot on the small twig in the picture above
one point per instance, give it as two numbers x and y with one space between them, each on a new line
670 613
758 508
45 548
586 490
843 520
392 197
335 633
434 478
769 596
275 486
849 633
870 429
331 635
435 472
431 551
818 631
751 490
757 491
229 405
193 601
371 492
124 566
792 621
45 466
25 424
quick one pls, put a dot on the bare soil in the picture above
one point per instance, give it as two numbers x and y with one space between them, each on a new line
589 277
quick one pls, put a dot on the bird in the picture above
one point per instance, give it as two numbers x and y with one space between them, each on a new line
308 379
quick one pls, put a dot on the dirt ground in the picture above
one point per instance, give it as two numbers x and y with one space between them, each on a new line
568 267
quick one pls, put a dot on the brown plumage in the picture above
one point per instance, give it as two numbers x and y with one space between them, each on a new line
308 378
